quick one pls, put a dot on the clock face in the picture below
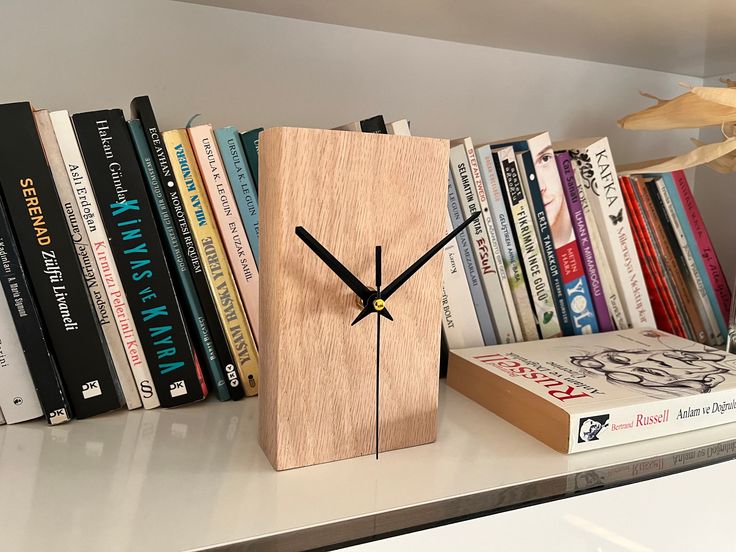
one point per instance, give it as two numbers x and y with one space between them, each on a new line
352 192
373 300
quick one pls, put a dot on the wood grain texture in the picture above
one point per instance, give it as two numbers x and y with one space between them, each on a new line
351 191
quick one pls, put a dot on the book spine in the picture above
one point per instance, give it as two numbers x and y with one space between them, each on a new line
399 128
611 215
705 246
681 276
90 270
18 399
676 282
461 331
135 243
585 178
472 276
692 245
86 202
667 287
629 424
223 166
222 284
574 277
580 227
242 185
39 358
251 143
663 305
541 225
482 173
480 240
52 266
374 125
696 285
143 110
536 276
665 312
198 323
507 244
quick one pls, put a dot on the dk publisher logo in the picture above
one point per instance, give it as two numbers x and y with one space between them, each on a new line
91 389
178 388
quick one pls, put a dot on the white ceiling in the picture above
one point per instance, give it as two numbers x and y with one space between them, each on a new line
689 37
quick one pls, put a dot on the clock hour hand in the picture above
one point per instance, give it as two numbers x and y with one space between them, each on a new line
336 266
421 261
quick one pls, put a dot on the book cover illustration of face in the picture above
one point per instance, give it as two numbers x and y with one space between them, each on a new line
661 372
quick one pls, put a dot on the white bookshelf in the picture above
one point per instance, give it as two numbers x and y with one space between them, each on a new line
195 477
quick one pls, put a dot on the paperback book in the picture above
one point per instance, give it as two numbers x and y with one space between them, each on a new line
40 361
52 266
182 278
87 262
587 392
540 290
126 210
142 110
100 248
209 244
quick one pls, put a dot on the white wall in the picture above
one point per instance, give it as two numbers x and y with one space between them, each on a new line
252 70
716 197
247 69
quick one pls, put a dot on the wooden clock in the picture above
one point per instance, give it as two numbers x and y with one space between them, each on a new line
340 210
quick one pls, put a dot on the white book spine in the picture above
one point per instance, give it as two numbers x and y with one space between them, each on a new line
509 254
399 128
18 399
610 291
629 424
697 285
481 244
610 213
461 327
136 365
479 175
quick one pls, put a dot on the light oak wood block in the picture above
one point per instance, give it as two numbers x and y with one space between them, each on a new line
352 192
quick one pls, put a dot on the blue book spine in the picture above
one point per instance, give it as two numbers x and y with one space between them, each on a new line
177 261
692 244
471 269
231 149
548 247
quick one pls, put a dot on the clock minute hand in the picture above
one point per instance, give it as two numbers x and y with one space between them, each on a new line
421 261
360 289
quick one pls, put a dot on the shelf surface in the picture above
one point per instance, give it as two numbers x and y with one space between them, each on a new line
195 478
676 36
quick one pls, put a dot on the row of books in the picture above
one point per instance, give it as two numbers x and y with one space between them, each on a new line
566 247
128 262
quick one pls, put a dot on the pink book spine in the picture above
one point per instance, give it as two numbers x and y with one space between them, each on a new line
707 251
228 220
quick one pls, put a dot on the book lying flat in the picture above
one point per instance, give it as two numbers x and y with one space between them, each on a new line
586 392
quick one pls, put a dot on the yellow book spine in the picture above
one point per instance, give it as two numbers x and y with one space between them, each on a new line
209 245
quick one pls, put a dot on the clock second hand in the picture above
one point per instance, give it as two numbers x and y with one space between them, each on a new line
378 341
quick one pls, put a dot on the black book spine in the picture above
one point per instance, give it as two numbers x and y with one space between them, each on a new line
548 247
52 267
136 245
41 362
374 125
142 109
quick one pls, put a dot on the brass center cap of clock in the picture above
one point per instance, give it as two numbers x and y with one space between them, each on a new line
378 304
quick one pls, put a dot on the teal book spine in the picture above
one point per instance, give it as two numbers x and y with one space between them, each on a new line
177 260
692 243
250 143
233 154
